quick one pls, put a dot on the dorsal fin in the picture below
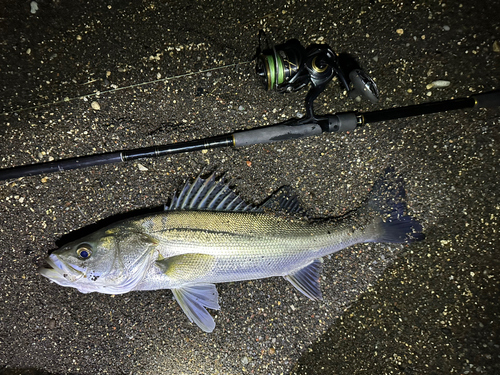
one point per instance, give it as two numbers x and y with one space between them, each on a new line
208 195
284 201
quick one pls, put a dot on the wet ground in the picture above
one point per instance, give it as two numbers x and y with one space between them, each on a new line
80 78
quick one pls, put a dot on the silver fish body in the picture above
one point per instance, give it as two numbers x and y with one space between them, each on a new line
208 235
240 246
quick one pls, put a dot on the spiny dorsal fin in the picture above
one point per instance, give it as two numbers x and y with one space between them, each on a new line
209 195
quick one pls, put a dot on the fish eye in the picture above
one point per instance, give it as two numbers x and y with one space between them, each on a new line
84 251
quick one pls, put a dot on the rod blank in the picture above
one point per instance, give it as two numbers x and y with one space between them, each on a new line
288 130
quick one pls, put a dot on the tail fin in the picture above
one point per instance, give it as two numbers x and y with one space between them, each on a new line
387 200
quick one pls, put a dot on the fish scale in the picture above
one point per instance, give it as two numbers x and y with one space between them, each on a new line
209 235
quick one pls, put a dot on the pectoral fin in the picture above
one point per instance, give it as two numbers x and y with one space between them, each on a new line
306 279
194 300
186 267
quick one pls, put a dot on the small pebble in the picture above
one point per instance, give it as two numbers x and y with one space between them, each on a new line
34 7
241 108
496 46
400 31
446 28
141 167
95 105
439 84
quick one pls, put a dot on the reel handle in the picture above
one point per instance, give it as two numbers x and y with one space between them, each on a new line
363 85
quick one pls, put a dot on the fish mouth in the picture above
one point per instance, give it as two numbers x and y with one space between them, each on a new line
60 272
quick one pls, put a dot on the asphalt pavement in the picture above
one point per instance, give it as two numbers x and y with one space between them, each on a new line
87 77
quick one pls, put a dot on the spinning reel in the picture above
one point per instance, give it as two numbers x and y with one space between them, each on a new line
289 67
285 68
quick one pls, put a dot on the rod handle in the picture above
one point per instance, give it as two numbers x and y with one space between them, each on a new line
487 99
275 133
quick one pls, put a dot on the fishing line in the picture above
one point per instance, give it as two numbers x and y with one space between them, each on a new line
113 90
285 68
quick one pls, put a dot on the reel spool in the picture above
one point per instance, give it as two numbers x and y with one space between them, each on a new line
280 65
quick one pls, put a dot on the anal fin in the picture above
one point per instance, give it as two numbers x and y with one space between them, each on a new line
194 300
306 279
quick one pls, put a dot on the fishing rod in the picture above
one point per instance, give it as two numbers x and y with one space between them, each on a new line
285 68
288 130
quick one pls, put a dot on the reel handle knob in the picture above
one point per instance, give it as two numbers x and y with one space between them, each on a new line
363 85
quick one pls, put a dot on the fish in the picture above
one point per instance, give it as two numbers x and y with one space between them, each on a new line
208 235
